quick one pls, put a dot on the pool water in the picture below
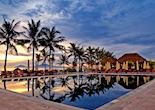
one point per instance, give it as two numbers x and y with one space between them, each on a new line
90 92
93 102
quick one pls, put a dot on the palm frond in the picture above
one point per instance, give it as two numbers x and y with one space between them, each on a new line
13 49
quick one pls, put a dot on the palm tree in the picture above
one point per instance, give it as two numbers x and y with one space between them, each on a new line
63 60
90 54
81 57
73 50
50 41
44 56
8 36
33 31
51 60
78 54
98 57
38 59
104 55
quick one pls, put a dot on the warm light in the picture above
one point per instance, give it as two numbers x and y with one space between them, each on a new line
19 90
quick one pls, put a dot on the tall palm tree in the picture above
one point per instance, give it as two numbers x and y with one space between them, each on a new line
50 40
33 35
8 36
81 57
90 54
63 59
33 31
98 57
72 50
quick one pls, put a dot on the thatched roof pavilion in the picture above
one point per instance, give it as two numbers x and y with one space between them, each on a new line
124 62
131 57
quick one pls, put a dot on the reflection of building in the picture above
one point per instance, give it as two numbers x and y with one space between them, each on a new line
127 61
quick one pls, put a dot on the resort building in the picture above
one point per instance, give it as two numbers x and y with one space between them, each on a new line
129 61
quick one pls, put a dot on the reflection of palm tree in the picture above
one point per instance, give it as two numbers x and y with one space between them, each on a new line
81 89
65 83
60 99
50 40
78 91
47 87
8 37
90 90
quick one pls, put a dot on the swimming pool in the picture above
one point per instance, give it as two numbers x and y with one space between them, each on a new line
89 92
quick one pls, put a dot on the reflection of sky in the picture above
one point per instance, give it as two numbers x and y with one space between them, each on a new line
119 26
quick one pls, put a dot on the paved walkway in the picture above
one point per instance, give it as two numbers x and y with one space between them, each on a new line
142 98
15 101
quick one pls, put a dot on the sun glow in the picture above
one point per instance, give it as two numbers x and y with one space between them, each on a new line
13 59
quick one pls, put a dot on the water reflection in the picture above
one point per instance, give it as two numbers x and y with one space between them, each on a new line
71 89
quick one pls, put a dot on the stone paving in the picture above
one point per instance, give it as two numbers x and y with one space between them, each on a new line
142 98
15 101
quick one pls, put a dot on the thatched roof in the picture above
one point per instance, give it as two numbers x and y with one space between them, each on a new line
131 57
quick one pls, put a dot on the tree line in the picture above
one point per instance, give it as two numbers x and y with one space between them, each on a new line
49 39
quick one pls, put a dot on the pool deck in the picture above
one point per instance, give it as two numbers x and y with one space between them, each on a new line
142 98
14 101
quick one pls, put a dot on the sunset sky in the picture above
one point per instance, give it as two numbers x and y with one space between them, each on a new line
118 25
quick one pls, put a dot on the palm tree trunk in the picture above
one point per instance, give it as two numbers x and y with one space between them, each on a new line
49 64
49 60
79 66
49 88
33 72
6 54
33 60
52 66
63 68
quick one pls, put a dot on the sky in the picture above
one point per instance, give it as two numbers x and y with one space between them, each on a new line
120 26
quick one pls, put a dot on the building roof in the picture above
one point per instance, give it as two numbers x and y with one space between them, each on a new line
111 59
131 57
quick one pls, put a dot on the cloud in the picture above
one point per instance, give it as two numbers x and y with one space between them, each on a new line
119 25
